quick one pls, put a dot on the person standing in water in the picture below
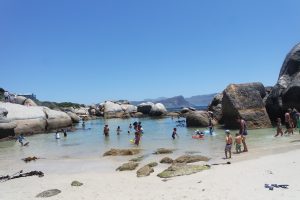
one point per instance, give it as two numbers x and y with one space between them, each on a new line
118 130
106 131
20 138
228 145
287 121
279 127
243 132
174 133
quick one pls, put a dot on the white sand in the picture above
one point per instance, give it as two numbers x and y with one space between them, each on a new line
240 180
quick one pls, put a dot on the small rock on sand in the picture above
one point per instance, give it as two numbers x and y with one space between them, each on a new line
166 160
182 170
145 171
76 184
48 193
128 166
191 159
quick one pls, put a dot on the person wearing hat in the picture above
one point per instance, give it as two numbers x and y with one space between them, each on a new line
228 144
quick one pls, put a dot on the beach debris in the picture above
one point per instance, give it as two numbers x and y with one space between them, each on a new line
226 163
191 159
20 174
272 186
29 159
179 169
166 180
166 160
48 193
76 184
269 172
145 171
138 159
128 166
122 152
163 151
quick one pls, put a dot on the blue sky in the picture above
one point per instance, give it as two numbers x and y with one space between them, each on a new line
90 51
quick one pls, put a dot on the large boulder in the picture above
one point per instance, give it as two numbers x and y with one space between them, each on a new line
7 128
82 111
246 101
197 119
34 119
145 108
216 107
111 107
127 108
158 109
286 93
25 101
56 119
74 117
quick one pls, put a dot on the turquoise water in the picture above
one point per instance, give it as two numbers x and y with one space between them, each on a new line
91 144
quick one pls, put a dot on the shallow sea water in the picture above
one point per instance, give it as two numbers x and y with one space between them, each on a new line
90 144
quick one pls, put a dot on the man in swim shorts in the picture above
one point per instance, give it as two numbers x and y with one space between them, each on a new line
228 144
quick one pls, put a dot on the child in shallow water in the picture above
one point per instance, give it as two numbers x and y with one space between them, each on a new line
238 143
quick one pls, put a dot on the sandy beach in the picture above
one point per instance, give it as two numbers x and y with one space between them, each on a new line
243 179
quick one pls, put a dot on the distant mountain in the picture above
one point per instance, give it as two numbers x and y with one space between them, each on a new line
175 102
201 100
180 101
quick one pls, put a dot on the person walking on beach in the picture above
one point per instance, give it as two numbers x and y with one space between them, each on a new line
106 130
228 144
174 133
238 143
243 132
279 127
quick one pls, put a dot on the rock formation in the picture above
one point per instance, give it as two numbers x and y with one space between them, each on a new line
246 101
286 93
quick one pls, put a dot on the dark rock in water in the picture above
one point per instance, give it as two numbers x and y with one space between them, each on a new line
48 193
197 119
182 170
145 171
163 151
128 166
153 164
145 108
76 184
122 152
246 101
286 93
191 159
216 107
166 160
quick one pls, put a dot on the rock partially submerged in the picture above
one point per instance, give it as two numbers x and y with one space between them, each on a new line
128 166
137 159
122 152
163 151
166 160
48 193
182 170
191 159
